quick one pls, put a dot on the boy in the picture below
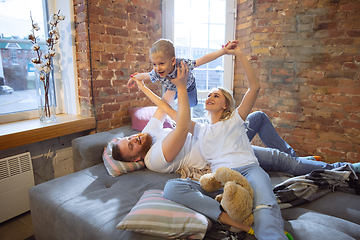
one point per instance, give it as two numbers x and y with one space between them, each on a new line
162 56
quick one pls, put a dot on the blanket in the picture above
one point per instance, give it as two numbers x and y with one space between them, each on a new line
306 188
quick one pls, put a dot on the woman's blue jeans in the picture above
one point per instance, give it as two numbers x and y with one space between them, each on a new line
278 154
267 216
271 159
259 123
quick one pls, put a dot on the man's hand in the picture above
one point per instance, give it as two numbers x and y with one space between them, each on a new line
182 75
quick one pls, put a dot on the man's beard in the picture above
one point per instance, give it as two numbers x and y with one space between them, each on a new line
145 147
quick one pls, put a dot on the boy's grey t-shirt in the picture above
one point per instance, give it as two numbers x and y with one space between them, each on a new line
166 81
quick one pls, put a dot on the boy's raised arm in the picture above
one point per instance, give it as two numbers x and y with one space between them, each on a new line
138 76
216 54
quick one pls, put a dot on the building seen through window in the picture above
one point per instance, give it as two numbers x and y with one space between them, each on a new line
18 71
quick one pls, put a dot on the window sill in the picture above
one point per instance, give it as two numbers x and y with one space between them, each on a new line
20 133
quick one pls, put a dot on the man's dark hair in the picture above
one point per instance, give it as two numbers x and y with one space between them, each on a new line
116 154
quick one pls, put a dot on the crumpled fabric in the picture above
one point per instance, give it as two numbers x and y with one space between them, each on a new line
193 173
307 188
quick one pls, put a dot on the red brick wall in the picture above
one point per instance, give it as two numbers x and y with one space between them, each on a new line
121 34
306 55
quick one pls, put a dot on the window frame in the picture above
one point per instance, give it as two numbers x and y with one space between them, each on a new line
230 23
65 78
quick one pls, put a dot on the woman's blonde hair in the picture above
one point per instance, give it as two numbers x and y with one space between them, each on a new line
164 47
230 104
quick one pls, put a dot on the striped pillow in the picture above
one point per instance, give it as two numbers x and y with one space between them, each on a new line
116 168
157 216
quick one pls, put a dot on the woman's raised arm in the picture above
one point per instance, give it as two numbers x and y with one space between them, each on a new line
250 96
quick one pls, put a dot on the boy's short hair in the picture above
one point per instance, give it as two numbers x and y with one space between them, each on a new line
164 47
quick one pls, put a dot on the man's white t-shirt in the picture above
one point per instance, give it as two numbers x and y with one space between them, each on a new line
225 143
189 155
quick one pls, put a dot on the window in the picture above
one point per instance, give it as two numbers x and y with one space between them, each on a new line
198 27
14 59
17 71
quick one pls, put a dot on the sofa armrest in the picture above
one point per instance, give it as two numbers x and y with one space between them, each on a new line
88 150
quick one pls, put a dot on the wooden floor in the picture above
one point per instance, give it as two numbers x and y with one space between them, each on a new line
17 228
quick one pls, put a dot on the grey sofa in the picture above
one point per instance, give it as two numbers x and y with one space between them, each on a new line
89 204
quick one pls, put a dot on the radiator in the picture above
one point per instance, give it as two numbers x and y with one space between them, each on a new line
16 177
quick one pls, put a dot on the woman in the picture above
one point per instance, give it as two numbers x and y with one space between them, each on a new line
224 142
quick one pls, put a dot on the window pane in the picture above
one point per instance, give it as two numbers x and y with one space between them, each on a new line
199 29
15 18
198 112
182 36
217 11
199 35
216 40
199 10
215 78
183 8
201 79
17 78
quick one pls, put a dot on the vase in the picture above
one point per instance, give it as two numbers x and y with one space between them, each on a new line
45 91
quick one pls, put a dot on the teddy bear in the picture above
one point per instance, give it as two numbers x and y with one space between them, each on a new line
237 197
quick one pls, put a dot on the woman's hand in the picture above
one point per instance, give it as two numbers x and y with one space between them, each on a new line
235 50
231 45
182 75
133 80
